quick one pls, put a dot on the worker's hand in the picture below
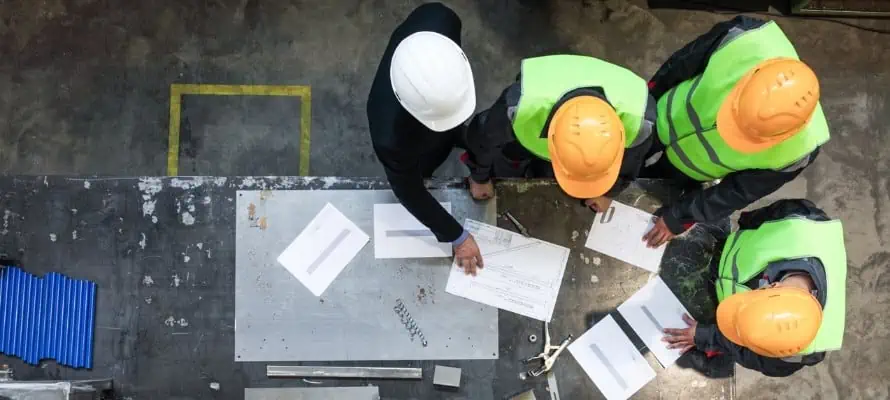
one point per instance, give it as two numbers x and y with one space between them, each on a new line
598 204
683 339
659 235
468 256
481 191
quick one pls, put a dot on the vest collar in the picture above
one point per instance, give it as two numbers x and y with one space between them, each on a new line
594 91
810 265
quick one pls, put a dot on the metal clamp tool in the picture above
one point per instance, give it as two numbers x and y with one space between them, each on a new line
549 355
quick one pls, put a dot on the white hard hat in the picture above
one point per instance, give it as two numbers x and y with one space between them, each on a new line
432 79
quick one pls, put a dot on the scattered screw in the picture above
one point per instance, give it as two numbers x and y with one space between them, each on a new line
407 320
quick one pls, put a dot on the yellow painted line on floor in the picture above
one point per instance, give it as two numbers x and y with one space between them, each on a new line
177 90
173 138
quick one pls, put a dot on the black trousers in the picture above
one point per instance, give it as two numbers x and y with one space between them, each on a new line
508 158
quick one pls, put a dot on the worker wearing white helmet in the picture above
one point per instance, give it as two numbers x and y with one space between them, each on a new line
422 94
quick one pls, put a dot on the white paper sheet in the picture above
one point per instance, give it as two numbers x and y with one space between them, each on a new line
650 310
521 274
611 361
323 249
397 234
618 232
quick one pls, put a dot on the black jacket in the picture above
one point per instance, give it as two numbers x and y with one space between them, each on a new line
709 338
409 150
494 150
736 190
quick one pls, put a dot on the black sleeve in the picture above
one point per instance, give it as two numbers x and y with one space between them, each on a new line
734 192
489 131
709 338
631 165
781 209
692 59
406 182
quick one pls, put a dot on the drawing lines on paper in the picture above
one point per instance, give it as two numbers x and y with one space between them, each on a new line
511 249
490 234
523 301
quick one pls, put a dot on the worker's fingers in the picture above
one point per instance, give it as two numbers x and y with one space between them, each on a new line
674 332
690 347
680 344
662 239
673 339
649 234
688 320
479 261
472 268
654 237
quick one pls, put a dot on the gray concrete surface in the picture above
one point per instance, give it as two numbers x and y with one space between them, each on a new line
84 87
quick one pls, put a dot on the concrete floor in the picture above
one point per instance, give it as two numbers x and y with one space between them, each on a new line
84 90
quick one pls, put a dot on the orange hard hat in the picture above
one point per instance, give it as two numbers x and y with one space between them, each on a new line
774 322
586 144
771 103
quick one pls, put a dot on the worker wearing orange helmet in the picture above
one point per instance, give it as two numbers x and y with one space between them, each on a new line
781 285
735 106
585 121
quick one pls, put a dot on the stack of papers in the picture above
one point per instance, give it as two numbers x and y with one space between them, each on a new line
618 232
322 249
397 234
521 274
611 361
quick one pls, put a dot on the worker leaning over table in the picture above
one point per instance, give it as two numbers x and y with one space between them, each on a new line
781 285
735 106
421 96
585 121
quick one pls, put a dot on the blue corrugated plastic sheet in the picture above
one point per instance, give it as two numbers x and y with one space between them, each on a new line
50 317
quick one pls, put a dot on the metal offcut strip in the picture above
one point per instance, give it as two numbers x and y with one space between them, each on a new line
327 251
409 233
652 318
609 366
294 371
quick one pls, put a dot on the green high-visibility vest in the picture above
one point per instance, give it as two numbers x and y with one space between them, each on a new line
748 252
687 114
545 80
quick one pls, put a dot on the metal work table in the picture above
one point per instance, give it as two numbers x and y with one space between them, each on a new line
166 305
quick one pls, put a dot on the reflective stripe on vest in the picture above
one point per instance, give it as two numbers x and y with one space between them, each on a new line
748 253
689 130
545 80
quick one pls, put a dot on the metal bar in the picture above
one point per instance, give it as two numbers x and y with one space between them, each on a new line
652 318
603 359
294 371
409 233
811 12
327 251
